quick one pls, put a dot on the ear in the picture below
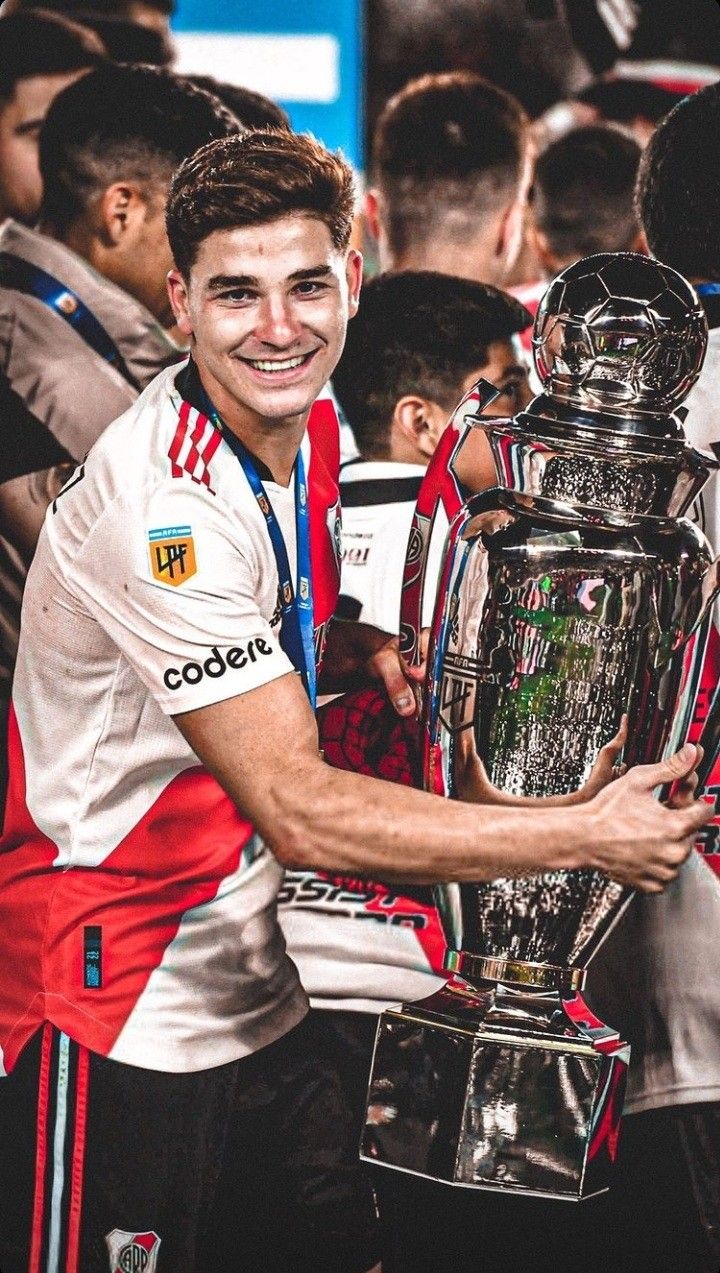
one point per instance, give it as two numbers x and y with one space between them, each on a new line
353 274
543 251
510 235
417 426
122 208
178 293
371 211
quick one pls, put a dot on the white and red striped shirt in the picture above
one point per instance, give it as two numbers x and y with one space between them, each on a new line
137 903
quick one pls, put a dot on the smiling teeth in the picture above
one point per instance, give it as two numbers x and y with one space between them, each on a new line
286 364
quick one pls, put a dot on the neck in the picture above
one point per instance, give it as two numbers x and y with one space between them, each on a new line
474 260
275 442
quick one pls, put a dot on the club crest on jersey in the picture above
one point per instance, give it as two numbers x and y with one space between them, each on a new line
172 554
132 1252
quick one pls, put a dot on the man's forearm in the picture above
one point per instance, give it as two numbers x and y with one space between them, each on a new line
357 825
262 747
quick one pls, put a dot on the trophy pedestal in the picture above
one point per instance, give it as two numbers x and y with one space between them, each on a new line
497 1088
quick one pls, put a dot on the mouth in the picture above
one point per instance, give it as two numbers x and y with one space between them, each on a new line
280 368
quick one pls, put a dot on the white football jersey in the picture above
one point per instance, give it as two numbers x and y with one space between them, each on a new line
137 903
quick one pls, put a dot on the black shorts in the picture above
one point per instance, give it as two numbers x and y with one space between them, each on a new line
108 1168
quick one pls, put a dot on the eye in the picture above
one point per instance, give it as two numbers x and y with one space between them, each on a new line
512 389
236 296
310 287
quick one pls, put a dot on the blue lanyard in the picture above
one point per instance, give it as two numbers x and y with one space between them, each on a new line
707 289
22 276
297 633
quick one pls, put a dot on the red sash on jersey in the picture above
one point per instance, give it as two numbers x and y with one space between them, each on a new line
324 500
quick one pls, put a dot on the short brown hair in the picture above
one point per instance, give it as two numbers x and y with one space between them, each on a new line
255 178
450 143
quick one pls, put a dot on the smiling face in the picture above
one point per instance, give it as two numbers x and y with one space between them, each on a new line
266 308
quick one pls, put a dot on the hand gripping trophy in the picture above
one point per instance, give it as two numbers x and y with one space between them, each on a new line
572 594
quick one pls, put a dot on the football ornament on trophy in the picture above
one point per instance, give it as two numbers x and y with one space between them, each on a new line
571 594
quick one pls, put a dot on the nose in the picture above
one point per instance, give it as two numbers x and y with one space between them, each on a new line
277 323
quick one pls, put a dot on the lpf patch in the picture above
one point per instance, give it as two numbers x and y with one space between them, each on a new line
132 1252
172 554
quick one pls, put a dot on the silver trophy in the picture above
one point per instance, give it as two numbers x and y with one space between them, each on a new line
572 593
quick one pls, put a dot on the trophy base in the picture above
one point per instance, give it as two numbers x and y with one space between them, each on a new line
497 1088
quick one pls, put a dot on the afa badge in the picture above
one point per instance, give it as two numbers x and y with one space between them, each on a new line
132 1252
172 555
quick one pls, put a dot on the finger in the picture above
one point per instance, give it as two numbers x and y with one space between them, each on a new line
698 814
389 668
676 766
682 795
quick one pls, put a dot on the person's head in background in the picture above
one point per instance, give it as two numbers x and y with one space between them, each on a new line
419 341
253 110
40 55
638 105
633 104
678 191
582 199
131 30
108 148
450 170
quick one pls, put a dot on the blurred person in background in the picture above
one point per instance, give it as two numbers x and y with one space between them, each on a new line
450 173
583 197
582 202
83 299
40 54
252 109
419 342
655 977
131 30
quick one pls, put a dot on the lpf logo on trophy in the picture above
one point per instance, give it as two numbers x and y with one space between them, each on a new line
572 593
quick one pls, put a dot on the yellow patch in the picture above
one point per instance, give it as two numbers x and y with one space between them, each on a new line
172 555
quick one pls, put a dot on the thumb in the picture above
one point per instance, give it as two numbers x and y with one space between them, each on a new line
677 766
388 667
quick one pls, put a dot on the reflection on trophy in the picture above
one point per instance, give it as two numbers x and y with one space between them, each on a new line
571 594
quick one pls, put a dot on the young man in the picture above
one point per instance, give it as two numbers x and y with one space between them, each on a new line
420 340
165 765
583 197
40 55
450 172
656 973
582 202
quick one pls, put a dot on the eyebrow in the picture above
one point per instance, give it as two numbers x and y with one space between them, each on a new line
28 126
514 371
219 281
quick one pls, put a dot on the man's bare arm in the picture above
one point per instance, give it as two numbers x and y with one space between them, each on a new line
263 749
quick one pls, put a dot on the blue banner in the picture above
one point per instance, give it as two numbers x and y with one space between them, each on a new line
308 55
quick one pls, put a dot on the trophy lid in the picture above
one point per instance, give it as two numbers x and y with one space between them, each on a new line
619 333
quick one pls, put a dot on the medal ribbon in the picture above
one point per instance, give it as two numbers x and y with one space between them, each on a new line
297 633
